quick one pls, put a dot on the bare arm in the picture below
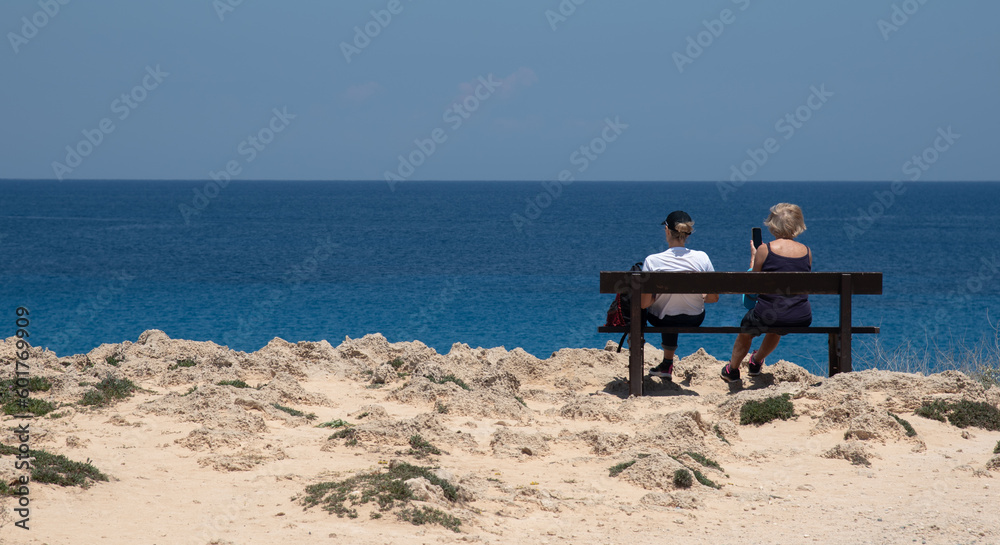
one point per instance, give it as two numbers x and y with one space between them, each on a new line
758 255
647 299
711 297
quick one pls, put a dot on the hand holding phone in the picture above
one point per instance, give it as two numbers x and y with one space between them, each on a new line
755 234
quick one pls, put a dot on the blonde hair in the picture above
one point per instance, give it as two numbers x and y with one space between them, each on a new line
785 221
681 230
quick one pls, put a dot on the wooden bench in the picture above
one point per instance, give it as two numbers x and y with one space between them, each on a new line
844 284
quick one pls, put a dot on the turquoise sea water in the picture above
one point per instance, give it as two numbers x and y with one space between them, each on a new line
487 264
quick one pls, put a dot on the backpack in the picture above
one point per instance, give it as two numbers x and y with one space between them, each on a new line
620 311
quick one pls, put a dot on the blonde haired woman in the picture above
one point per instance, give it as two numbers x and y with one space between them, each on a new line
784 254
678 309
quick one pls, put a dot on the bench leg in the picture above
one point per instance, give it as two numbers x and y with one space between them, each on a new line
834 354
636 343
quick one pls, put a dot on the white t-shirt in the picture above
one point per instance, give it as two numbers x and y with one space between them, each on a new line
678 259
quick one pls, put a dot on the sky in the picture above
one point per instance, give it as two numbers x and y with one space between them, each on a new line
500 90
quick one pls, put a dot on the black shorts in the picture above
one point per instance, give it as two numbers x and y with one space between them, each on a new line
753 325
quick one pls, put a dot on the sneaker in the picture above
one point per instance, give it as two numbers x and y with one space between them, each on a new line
755 366
664 370
730 375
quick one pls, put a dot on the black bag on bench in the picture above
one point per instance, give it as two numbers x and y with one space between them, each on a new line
620 311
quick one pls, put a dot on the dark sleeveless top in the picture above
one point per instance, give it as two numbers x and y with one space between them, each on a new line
776 309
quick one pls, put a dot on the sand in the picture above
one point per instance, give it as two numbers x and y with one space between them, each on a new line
528 447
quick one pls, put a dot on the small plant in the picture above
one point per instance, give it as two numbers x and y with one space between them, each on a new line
108 391
396 363
718 433
386 489
441 408
338 423
112 361
420 447
704 460
521 401
762 412
234 383
57 415
34 384
182 363
190 391
364 414
59 470
910 432
704 480
962 413
615 470
449 378
348 433
682 478
430 515
294 412
37 407
996 449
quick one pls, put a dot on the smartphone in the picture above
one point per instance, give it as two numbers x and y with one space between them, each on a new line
756 235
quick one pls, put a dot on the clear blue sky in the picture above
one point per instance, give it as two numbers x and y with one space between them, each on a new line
892 88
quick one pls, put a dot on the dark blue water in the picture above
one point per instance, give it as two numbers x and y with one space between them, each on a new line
443 263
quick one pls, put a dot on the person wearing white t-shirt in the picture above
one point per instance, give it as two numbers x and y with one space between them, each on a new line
678 309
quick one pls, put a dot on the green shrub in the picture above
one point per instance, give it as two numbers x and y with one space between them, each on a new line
762 412
59 470
963 413
615 470
449 378
35 384
234 383
37 407
910 432
385 489
520 400
190 391
996 449
441 408
704 460
420 447
704 480
182 363
430 515
396 363
338 423
112 361
108 391
682 478
294 412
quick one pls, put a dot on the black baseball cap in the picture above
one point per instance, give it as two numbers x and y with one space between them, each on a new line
675 217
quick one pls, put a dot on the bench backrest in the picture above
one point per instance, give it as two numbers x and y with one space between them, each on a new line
861 283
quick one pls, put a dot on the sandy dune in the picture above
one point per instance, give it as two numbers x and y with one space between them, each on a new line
528 448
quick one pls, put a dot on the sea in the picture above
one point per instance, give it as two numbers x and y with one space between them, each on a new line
512 264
